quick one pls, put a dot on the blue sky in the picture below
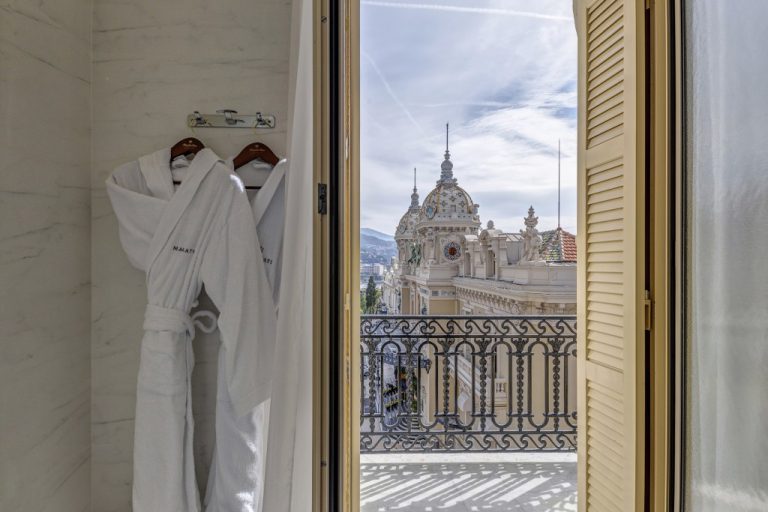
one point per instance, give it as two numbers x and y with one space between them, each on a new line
502 72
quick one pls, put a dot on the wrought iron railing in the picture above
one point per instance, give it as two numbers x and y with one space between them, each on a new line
468 383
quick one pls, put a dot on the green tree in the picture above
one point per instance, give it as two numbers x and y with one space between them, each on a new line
363 305
371 297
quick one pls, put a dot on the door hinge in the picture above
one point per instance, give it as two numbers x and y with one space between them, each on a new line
648 311
322 198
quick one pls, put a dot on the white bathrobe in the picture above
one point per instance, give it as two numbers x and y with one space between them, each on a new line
202 233
236 482
268 205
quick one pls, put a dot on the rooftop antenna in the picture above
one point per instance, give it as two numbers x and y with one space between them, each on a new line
446 137
414 179
558 183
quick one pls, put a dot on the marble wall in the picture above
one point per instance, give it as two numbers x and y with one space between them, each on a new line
155 62
45 82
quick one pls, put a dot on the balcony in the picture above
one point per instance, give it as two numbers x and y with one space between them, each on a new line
465 412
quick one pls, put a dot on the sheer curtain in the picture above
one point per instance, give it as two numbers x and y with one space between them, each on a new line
288 479
726 47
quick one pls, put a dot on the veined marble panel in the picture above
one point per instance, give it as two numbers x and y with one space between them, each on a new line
154 63
45 62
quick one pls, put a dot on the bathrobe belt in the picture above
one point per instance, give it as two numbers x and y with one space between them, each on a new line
158 318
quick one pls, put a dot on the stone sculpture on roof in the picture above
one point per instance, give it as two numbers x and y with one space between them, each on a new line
532 242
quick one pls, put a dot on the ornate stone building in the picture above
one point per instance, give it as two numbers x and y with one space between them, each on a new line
448 264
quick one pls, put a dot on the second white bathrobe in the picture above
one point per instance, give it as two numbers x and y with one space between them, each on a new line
236 481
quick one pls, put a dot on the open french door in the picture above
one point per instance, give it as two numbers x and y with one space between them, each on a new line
612 254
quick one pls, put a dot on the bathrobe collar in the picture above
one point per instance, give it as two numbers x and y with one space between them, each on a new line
264 196
156 170
157 173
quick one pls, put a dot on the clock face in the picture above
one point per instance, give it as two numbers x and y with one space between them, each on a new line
452 251
430 211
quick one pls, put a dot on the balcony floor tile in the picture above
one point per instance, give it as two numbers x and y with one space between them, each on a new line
466 482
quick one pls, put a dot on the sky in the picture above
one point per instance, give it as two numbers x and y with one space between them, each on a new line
502 72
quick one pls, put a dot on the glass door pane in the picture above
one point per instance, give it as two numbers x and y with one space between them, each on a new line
726 271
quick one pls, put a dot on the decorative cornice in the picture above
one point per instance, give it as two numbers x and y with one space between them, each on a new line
517 292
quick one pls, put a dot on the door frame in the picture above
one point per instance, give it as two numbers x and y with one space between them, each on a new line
678 255
663 141
337 237
664 451
337 271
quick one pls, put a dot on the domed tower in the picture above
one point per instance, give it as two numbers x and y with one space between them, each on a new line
404 234
447 214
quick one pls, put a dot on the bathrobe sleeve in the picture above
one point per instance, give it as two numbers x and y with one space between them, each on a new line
234 277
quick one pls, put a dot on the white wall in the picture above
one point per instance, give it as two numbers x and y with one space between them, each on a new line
155 62
45 80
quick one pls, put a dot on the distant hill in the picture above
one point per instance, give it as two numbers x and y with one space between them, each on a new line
376 234
376 247
369 240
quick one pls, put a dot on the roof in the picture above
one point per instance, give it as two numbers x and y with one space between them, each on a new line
448 202
559 246
447 198
404 228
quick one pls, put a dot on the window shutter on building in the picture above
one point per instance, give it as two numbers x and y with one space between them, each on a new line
610 245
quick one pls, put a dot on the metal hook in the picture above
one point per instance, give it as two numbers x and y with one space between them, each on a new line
228 116
260 121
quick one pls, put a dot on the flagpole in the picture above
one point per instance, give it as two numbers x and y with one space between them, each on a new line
558 183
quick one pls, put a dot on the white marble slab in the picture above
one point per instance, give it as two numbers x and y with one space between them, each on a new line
153 63
45 61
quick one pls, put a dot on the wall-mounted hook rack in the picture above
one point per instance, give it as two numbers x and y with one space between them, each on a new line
228 118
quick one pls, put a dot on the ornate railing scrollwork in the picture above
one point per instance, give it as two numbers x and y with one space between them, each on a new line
468 383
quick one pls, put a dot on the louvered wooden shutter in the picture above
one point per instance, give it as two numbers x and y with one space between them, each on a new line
610 259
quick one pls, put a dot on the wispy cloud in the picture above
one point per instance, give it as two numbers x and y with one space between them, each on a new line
507 84
391 92
465 9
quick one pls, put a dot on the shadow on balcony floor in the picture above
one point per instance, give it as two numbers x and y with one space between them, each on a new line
447 483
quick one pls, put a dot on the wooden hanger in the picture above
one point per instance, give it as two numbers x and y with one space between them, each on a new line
255 151
185 147
188 146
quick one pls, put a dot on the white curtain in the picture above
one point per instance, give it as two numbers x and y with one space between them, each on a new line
288 480
727 149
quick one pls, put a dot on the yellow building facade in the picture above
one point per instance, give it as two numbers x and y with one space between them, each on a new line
449 264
